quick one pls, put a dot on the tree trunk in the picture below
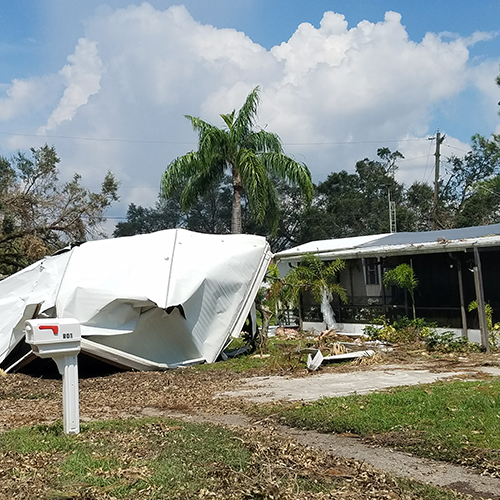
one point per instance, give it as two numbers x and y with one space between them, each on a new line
266 315
236 227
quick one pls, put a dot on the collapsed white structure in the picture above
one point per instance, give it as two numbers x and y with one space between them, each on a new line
145 302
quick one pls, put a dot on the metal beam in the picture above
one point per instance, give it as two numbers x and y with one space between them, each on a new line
481 311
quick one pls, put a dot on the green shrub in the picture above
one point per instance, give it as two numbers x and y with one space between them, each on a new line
449 342
493 328
404 330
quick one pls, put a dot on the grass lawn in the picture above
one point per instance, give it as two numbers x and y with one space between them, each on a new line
167 459
454 421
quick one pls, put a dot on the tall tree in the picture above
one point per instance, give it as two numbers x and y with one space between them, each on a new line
211 213
419 200
470 178
39 214
250 155
355 204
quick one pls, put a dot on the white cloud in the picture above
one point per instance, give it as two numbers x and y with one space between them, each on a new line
27 96
333 94
81 77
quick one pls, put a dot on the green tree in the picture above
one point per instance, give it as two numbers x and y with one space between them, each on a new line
482 207
463 195
318 277
144 220
403 277
356 204
39 214
251 156
211 213
286 234
419 199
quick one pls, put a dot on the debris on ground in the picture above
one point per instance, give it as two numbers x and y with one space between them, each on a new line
315 361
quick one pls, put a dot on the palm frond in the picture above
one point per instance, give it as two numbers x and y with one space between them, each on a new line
196 186
229 120
246 117
177 172
254 179
264 142
200 126
401 276
315 276
294 172
273 207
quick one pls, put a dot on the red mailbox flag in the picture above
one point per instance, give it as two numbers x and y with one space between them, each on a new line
54 328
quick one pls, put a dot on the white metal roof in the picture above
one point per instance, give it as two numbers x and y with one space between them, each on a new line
444 240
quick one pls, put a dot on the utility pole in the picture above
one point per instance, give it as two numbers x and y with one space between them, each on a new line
437 154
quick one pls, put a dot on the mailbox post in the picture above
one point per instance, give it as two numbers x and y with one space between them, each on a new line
59 339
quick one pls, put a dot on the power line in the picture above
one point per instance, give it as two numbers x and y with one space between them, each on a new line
136 141
425 179
454 147
415 158
352 170
149 141
489 191
343 143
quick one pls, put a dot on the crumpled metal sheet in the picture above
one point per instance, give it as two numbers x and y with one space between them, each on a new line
166 299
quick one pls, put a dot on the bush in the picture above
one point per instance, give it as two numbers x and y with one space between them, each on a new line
401 331
449 342
405 331
493 328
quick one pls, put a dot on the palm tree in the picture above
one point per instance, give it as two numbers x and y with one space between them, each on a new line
403 277
319 278
253 157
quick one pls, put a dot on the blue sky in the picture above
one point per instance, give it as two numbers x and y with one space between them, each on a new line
32 31
108 83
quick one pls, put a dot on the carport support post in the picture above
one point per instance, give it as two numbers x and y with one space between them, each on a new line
465 333
481 311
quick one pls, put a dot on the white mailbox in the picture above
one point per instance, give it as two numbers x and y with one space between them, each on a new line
59 339
54 336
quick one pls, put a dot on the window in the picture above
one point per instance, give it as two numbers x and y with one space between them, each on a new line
371 271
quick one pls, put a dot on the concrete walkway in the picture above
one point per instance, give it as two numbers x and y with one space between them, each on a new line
316 386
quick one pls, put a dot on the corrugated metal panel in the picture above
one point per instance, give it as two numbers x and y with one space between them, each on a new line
433 236
398 243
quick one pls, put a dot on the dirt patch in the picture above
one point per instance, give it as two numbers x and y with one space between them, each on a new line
25 400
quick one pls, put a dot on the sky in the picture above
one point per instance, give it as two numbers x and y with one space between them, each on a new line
108 82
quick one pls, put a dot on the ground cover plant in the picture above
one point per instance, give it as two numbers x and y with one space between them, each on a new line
168 459
453 421
418 331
